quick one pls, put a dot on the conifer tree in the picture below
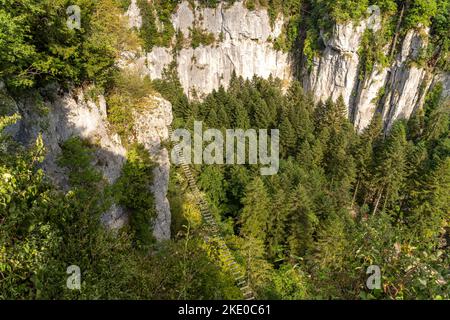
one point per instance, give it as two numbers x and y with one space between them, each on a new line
365 158
302 221
240 116
277 226
288 139
391 167
213 119
256 211
437 123
260 112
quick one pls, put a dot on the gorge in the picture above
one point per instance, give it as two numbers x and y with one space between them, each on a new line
353 98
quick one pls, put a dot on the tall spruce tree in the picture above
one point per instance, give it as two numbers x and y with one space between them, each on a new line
256 211
365 158
390 172
302 222
288 139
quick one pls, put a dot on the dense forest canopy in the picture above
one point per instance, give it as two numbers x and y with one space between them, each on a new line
341 202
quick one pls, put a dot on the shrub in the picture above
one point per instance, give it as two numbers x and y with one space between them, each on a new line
133 190
127 94
201 37
33 53
76 156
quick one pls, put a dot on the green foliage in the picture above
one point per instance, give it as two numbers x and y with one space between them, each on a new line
170 88
77 157
157 29
440 36
120 115
310 48
302 222
287 40
371 54
201 37
133 191
289 283
407 273
340 202
340 10
392 165
256 210
124 4
214 3
420 12
128 92
388 7
346 201
35 53
43 231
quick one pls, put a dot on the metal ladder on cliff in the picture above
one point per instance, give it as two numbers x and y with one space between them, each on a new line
239 276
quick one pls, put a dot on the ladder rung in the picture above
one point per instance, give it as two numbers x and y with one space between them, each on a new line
213 228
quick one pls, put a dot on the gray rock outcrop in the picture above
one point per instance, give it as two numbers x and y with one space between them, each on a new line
403 89
243 45
134 15
64 115
151 128
336 73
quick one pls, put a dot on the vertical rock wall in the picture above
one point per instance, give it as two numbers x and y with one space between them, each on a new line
336 72
151 127
243 44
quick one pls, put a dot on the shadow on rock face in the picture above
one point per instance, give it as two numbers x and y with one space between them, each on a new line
59 116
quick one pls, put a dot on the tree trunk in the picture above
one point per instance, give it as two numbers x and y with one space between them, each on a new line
397 31
378 201
385 200
355 193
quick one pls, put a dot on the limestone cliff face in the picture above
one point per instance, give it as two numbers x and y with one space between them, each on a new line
335 72
62 115
151 127
404 84
403 89
242 44
444 79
